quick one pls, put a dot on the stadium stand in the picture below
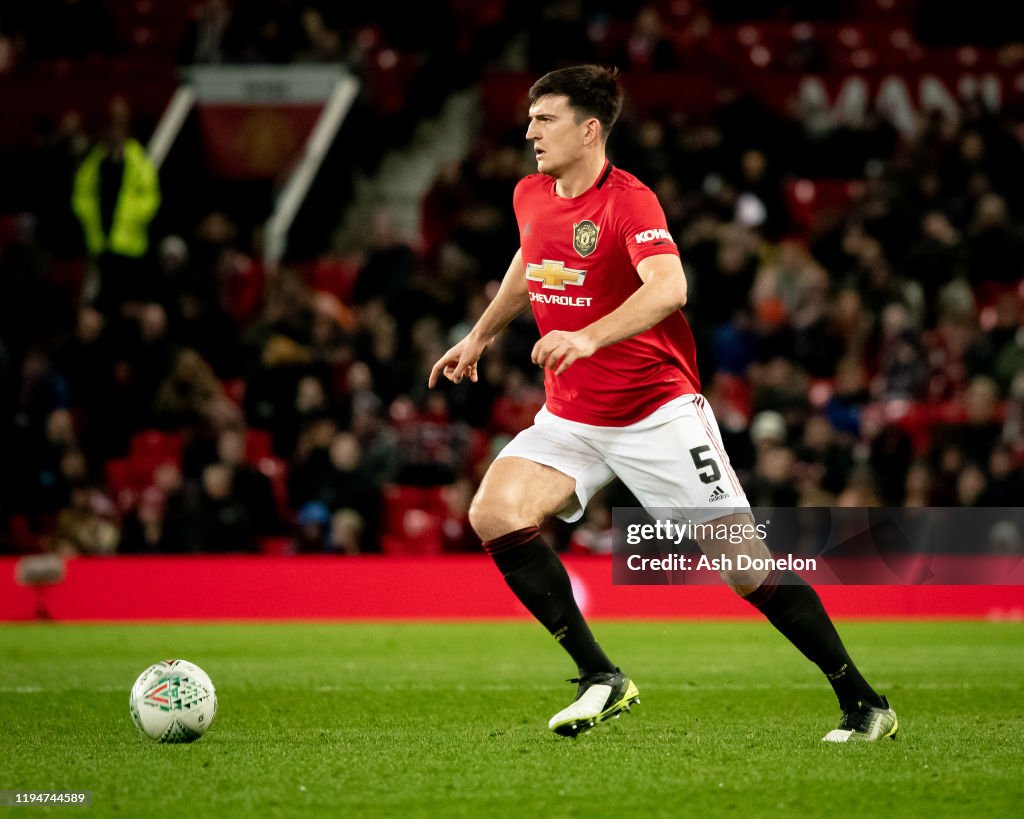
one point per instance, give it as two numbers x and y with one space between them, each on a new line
854 245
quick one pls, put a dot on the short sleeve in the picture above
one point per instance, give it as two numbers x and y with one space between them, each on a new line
643 226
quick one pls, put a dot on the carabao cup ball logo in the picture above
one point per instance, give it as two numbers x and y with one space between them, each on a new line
173 701
584 237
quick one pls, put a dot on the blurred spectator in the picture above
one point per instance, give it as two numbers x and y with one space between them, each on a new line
57 160
191 395
981 428
346 535
891 452
772 483
822 450
970 485
250 486
88 525
995 245
902 369
648 48
271 390
88 360
389 263
1005 539
860 491
29 304
433 449
322 43
457 534
59 465
918 486
217 520
116 195
938 257
313 522
1005 479
210 37
149 528
334 476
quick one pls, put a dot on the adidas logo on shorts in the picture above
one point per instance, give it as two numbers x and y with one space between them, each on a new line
717 495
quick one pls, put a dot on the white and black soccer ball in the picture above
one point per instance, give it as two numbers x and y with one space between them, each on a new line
173 701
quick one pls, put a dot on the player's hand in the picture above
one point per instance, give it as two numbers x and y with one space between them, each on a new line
458 362
559 350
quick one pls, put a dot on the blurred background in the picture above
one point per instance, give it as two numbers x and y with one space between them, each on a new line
236 234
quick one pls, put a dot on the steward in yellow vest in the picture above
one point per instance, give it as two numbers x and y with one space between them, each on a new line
115 217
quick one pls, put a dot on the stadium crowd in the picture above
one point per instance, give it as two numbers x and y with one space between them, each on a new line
865 353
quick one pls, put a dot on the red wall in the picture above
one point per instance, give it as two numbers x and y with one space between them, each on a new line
215 588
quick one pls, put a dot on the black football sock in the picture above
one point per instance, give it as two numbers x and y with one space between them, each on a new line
795 609
538 578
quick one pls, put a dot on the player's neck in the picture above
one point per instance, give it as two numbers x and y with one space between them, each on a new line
581 176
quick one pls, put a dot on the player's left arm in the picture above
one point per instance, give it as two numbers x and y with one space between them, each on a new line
662 293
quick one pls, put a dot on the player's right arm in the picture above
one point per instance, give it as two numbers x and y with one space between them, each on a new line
512 298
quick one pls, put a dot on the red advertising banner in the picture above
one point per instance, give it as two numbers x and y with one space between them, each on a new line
443 588
254 141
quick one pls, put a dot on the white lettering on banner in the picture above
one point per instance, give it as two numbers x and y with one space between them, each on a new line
565 301
650 235
849 101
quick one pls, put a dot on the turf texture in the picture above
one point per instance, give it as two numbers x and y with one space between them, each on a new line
450 720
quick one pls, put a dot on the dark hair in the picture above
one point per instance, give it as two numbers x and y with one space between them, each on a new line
593 91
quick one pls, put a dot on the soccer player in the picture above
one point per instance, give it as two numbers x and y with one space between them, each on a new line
602 273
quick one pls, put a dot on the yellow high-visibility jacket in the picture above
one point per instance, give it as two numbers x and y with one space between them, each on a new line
136 205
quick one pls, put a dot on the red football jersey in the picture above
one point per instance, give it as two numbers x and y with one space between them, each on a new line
581 256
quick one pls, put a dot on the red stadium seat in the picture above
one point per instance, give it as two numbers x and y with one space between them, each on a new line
413 517
151 443
277 546
243 289
276 471
151 449
258 445
21 536
808 200
121 479
234 389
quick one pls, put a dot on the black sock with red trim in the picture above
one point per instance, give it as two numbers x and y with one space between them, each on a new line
795 609
538 578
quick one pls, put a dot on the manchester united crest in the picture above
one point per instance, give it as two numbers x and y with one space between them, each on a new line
584 237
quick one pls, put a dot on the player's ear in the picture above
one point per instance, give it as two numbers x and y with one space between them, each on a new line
592 131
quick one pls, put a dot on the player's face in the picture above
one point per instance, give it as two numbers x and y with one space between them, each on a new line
557 138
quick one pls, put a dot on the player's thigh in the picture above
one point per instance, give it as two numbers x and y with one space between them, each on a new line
516 493
550 468
678 462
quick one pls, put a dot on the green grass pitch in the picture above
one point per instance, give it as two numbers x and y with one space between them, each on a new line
451 719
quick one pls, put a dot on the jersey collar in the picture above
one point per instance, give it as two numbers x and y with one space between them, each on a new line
598 184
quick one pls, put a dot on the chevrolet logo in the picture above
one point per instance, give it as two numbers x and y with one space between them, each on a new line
554 275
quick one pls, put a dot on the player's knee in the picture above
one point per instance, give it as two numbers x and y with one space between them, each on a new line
493 517
744 577
744 583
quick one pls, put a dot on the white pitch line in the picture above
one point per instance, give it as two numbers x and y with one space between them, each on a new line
35 689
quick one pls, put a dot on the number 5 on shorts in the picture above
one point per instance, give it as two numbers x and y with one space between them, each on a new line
703 462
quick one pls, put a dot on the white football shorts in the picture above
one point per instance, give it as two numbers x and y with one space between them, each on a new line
673 458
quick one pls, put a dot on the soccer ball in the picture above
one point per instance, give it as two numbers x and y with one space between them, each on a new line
173 701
